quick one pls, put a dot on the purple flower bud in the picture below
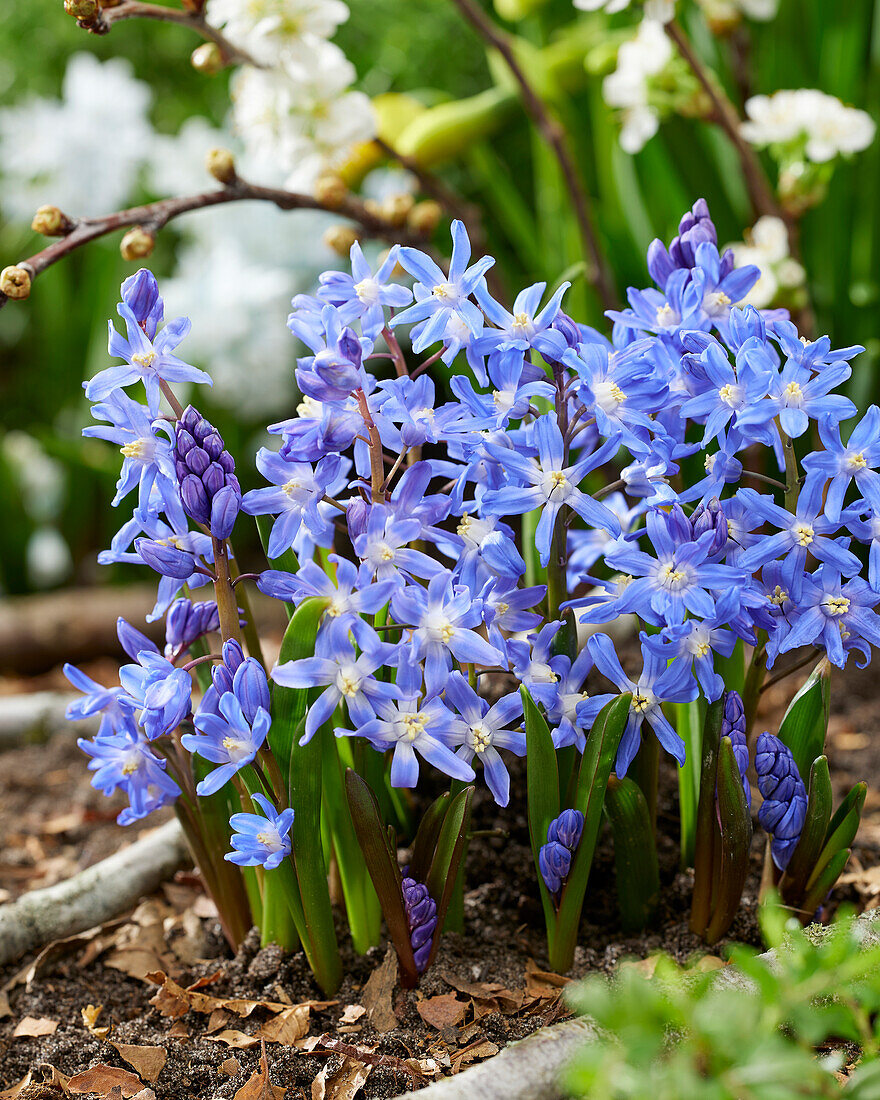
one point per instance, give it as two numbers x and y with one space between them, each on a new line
132 640
733 725
356 515
251 688
205 471
233 655
694 229
224 511
195 499
567 829
221 678
784 807
165 559
554 863
421 915
710 517
186 621
140 292
567 328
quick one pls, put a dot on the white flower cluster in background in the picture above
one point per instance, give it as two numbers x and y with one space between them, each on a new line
297 115
627 88
730 11
43 486
58 152
826 127
767 246
662 11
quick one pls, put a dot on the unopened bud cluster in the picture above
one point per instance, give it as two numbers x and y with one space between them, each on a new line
421 915
209 489
554 859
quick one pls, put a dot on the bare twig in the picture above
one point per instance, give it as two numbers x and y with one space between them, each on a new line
194 20
154 216
598 272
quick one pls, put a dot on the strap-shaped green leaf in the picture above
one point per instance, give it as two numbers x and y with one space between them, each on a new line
542 785
809 848
427 834
841 832
735 822
311 871
451 844
381 860
805 724
635 853
706 837
289 705
818 888
597 762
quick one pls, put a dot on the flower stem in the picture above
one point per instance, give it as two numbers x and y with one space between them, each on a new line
227 603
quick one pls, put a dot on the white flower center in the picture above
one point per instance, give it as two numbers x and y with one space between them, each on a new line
556 485
367 291
667 316
413 724
836 605
144 358
445 292
793 394
803 534
856 460
481 737
671 577
608 396
731 395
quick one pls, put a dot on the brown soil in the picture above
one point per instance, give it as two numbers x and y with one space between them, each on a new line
52 823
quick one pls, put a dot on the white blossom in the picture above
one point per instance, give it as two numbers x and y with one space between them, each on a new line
626 88
82 152
827 127
269 28
662 11
767 247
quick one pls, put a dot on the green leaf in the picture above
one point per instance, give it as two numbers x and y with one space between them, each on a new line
707 828
542 778
812 840
841 833
820 884
597 762
451 844
425 843
311 871
805 724
381 860
691 720
289 705
635 853
736 838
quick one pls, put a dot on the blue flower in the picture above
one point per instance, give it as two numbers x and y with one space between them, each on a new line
526 326
336 369
140 292
362 294
567 713
227 739
346 677
186 622
147 459
260 840
443 301
485 732
443 617
784 808
805 532
647 696
725 391
299 489
382 548
148 361
554 863
692 645
547 484
115 717
411 725
126 762
680 579
161 691
856 461
836 615
796 396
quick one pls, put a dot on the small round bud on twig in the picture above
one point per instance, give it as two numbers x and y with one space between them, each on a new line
374 209
330 191
396 208
425 216
207 59
340 238
220 164
51 222
83 10
137 244
15 282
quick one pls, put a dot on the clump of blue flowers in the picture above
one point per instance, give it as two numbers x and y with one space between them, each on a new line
464 503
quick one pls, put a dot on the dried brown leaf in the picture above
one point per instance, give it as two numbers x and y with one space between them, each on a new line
148 1062
175 1001
31 1027
102 1079
352 1014
238 1040
230 1067
378 994
343 1084
287 1026
442 1011
258 1086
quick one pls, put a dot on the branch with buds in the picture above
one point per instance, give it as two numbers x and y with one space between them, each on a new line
144 222
98 17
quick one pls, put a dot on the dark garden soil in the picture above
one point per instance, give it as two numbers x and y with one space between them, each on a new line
488 986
